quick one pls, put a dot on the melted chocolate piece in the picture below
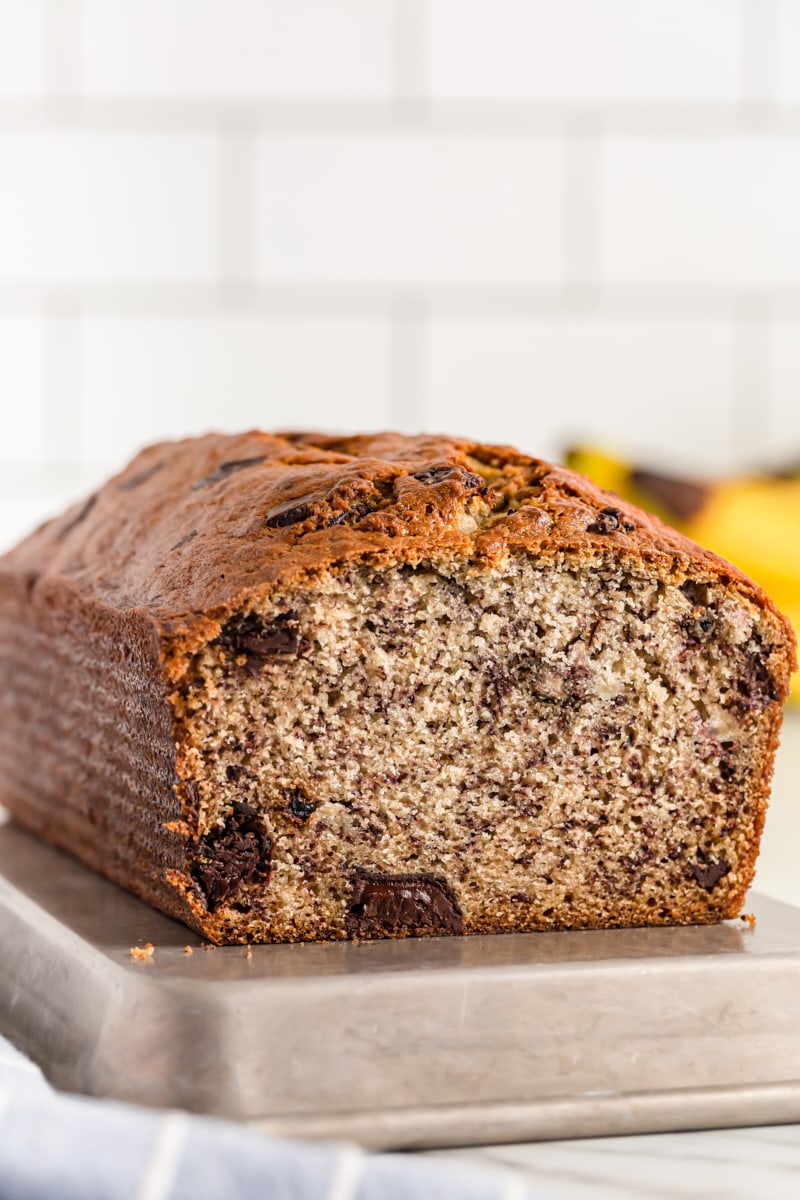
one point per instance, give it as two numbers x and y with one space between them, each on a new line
234 854
434 475
227 468
355 512
383 905
727 771
292 515
708 874
139 478
680 497
609 520
299 808
260 643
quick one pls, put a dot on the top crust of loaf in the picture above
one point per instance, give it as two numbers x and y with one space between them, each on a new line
190 530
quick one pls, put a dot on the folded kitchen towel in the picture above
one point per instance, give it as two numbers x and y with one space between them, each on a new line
54 1145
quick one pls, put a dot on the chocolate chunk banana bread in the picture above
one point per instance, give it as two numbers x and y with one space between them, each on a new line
308 687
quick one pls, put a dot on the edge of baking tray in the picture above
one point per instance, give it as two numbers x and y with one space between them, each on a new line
550 1035
429 1128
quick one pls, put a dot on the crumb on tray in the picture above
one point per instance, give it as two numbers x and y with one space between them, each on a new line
749 919
140 953
188 950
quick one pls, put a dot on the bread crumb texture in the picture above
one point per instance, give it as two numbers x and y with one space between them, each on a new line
420 751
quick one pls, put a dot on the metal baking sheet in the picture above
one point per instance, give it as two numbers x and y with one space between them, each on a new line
401 1044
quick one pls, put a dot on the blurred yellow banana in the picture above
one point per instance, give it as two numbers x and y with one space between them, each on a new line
753 521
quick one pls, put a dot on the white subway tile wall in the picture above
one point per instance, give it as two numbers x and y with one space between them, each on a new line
788 53
702 212
207 49
586 49
527 221
782 414
172 374
623 383
21 47
22 354
83 207
412 210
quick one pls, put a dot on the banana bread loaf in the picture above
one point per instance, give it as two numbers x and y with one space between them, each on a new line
308 687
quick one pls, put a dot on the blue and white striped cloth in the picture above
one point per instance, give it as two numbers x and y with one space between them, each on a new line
61 1147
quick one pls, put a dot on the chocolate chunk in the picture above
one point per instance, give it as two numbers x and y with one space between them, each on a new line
757 689
434 475
236 853
273 639
609 520
139 478
708 874
727 770
354 512
259 642
299 808
383 905
227 468
292 515
681 498
185 540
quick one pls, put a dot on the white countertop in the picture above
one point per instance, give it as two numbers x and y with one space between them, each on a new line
727 1164
731 1164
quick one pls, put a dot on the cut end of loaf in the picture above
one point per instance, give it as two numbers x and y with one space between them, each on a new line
546 745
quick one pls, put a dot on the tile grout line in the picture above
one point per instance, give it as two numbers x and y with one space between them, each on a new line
411 62
582 201
61 383
62 53
409 326
410 107
758 33
408 365
313 299
60 311
237 206
750 382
